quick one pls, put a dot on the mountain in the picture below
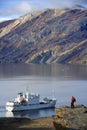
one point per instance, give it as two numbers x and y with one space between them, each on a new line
48 36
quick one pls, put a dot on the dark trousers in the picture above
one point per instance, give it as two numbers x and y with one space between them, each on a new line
72 105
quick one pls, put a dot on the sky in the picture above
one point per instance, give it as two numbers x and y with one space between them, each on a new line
10 9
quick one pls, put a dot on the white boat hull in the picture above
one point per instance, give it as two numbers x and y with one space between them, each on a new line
23 107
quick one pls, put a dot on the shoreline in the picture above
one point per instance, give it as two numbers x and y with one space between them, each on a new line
65 118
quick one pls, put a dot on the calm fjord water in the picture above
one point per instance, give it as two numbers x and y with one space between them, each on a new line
60 81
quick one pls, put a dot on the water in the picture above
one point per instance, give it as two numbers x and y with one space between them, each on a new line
60 81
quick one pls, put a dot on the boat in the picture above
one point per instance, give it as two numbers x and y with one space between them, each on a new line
29 101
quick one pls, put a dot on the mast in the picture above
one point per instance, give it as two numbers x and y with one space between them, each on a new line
53 93
27 93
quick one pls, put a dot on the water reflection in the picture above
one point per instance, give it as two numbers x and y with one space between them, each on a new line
32 114
54 70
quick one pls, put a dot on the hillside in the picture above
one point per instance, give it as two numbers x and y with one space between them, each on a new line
48 36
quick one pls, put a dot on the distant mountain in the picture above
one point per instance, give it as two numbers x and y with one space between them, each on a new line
48 36
77 6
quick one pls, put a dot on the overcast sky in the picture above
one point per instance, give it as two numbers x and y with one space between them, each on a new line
10 9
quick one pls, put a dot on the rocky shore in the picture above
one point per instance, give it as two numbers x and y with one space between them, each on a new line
71 118
64 119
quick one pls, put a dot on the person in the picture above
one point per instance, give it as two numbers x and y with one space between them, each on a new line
72 101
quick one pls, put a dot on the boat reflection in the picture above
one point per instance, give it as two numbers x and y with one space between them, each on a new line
32 114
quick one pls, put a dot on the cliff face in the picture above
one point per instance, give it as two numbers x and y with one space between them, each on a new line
49 36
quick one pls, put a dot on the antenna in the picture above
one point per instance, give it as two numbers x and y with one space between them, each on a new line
27 88
53 93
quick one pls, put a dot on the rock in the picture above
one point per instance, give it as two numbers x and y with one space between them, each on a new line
71 119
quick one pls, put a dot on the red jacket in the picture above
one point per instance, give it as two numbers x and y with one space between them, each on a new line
73 99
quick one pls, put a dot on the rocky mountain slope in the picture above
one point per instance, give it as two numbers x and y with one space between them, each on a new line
48 36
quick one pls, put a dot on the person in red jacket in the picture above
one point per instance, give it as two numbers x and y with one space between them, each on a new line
72 101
